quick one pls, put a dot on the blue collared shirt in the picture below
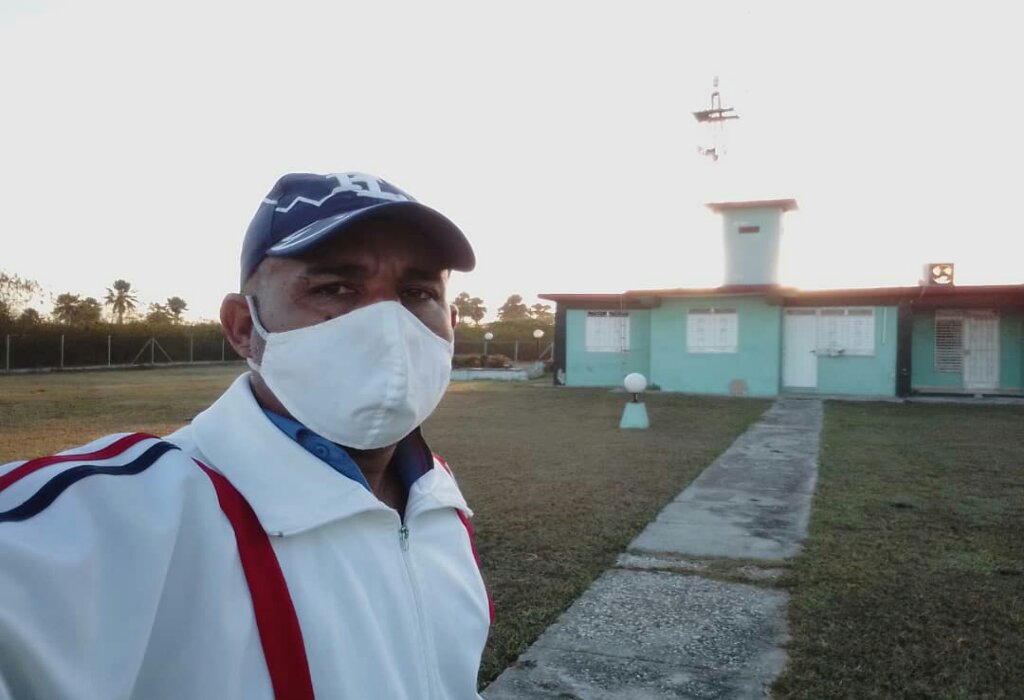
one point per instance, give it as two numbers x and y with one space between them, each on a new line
412 458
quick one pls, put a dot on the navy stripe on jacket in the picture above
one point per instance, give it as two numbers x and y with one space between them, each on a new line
53 488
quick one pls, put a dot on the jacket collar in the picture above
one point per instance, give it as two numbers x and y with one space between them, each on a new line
289 489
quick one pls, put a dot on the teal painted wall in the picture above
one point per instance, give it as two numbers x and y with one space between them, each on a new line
1011 351
605 368
1011 355
864 375
752 258
757 361
658 350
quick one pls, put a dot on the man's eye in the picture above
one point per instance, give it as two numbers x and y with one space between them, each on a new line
330 290
419 294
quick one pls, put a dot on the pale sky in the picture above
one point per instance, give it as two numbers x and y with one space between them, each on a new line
137 138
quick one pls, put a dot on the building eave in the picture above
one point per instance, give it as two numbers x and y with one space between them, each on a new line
783 204
601 301
734 290
920 296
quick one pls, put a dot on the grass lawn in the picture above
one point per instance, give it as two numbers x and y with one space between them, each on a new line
44 413
911 583
558 490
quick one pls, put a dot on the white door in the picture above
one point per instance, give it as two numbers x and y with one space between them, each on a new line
799 349
981 350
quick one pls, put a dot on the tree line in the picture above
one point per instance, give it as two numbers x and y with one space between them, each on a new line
75 310
472 309
515 320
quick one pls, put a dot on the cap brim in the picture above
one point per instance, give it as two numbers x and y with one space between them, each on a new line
450 241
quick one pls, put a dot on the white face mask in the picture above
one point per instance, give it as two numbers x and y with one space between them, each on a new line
364 380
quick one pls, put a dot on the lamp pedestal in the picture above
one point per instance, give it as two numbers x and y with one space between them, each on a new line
634 417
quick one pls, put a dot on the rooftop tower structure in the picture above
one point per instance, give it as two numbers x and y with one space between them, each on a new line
752 232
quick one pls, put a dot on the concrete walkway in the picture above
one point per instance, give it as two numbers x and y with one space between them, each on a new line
656 626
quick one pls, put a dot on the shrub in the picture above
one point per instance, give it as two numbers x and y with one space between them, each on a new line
489 362
497 361
461 361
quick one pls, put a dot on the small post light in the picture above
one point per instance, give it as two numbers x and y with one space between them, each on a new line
488 337
634 416
635 383
537 335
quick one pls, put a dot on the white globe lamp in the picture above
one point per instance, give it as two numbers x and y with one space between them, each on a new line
635 383
537 335
634 415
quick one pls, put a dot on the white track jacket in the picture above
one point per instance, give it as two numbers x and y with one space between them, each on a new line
228 563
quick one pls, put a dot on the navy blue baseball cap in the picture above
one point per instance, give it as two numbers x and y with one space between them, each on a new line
305 209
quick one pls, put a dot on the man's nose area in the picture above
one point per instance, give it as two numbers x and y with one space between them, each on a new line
384 285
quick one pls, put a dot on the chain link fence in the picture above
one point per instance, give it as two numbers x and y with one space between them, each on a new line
516 350
57 348
53 349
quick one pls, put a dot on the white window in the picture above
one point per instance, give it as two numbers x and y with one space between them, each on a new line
712 330
949 341
846 331
607 331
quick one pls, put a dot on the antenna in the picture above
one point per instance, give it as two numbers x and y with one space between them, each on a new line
715 118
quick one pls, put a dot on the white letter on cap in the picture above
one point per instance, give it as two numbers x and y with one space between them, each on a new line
348 182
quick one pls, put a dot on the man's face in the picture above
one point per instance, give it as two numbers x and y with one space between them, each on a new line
377 261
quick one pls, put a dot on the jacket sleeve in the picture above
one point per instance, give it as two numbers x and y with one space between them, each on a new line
83 557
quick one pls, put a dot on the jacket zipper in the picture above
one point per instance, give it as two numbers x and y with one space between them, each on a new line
430 658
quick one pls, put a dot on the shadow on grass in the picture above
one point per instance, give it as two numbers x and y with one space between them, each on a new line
912 581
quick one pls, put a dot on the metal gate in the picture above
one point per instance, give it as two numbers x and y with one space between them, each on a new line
981 350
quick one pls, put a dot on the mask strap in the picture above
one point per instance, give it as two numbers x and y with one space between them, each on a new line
260 330
258 327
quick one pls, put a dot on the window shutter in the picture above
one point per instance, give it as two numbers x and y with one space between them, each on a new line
949 343
712 330
607 331
727 330
698 330
846 331
860 335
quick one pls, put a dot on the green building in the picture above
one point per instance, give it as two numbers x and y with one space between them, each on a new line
754 337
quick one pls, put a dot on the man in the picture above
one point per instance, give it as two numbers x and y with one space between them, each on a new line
298 538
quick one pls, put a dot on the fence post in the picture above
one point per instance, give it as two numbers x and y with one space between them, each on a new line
62 351
152 351
191 343
221 349
515 353
108 350
7 355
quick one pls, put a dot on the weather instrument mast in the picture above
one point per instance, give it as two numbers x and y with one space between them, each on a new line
715 118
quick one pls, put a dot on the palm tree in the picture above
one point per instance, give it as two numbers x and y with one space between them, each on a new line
30 317
175 306
159 314
120 299
65 308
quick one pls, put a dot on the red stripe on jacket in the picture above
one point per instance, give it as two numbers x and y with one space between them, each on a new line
112 450
472 542
472 545
278 625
